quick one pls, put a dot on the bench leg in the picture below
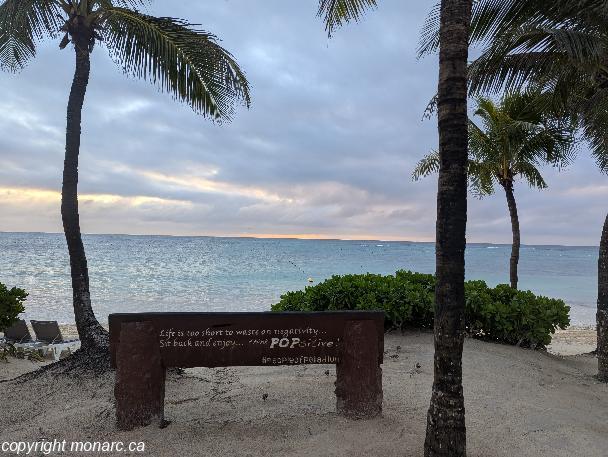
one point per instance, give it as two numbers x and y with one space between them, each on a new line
140 377
359 376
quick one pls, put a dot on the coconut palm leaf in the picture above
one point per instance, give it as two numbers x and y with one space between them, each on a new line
24 23
337 12
489 17
481 179
134 4
428 165
429 35
180 59
482 170
531 174
498 18
595 130
546 57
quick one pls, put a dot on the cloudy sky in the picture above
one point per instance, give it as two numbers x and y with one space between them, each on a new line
326 150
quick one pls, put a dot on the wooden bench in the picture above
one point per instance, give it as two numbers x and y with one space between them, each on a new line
143 345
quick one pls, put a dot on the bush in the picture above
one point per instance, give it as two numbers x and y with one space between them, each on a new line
11 305
408 300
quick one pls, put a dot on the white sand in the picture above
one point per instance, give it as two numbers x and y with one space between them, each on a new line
519 403
15 367
573 341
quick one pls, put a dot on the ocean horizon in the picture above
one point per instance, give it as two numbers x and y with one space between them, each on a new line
296 237
137 273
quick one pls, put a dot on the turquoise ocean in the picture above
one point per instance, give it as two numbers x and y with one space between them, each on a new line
163 273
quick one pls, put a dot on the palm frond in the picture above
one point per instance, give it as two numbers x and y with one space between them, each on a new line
429 35
481 178
481 181
480 144
24 23
337 12
594 125
489 19
538 70
601 158
554 144
133 4
431 108
498 18
559 46
180 59
531 174
428 165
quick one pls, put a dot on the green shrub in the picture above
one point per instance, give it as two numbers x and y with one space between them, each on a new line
11 305
408 300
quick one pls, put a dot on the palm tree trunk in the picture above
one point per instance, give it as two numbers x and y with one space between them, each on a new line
91 333
602 306
508 186
446 432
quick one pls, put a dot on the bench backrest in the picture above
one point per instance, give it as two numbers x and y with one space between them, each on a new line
240 339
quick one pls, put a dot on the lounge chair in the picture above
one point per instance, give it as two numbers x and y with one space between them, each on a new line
18 333
48 332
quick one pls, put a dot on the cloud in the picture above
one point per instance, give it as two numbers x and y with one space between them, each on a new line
326 149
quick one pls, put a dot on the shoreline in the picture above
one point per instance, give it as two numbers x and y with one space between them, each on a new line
575 340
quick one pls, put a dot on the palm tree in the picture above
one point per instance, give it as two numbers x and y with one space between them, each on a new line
518 135
602 306
180 59
560 46
446 432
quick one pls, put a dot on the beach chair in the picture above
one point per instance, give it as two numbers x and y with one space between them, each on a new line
18 333
48 333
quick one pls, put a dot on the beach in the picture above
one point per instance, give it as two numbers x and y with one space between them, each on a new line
573 341
342 229
519 402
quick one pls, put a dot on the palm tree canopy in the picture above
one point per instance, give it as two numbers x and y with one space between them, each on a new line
559 46
337 12
516 137
171 53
